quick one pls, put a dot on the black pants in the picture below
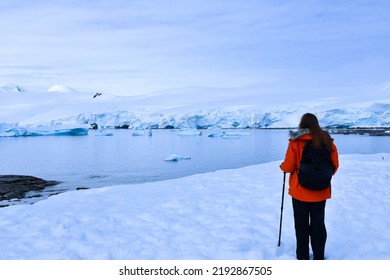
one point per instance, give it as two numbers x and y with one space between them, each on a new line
309 220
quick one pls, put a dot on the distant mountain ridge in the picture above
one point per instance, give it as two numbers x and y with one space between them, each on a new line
4 88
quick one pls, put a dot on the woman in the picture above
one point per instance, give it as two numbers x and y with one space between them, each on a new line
308 205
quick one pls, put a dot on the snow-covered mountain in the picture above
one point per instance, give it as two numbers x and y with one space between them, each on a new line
189 108
8 87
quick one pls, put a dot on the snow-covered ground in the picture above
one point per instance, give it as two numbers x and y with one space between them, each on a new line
228 214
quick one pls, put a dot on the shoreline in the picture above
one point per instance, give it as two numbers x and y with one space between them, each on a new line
16 187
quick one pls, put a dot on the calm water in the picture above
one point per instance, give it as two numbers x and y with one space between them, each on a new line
94 161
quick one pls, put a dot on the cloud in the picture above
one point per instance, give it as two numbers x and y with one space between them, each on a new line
134 47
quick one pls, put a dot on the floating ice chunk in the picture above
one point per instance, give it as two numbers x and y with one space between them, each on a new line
104 133
236 133
214 135
189 132
138 133
230 137
174 157
228 134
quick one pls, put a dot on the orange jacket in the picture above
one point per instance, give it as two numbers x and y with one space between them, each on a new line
291 165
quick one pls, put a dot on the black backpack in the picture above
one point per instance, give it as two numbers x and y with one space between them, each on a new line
316 168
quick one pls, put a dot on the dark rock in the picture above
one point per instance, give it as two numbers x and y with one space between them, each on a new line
124 126
16 186
93 126
198 126
371 131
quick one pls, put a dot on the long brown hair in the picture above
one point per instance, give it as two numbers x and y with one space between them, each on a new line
320 136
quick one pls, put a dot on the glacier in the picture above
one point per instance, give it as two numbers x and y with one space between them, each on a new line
194 108
377 115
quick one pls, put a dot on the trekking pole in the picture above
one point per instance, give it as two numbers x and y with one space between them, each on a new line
281 208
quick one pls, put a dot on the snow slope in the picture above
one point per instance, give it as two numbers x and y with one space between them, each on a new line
228 214
191 108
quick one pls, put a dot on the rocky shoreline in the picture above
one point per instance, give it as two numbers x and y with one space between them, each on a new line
16 186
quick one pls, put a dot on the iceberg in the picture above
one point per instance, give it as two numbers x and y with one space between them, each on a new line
174 157
59 130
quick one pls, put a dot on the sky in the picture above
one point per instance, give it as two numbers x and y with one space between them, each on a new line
136 47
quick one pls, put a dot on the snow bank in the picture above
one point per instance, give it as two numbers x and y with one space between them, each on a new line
228 214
